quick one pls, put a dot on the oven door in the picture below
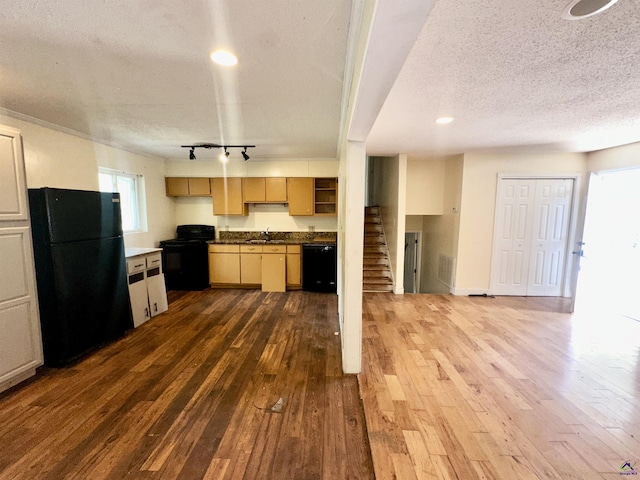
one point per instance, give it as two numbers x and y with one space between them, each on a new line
185 265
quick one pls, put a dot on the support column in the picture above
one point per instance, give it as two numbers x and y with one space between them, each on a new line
351 241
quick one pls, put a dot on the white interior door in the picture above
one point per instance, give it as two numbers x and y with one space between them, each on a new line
530 236
512 238
551 216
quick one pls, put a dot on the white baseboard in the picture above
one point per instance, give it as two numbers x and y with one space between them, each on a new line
470 291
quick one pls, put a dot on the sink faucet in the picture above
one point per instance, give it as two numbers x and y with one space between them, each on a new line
266 235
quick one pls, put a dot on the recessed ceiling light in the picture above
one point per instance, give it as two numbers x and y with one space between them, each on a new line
578 9
222 57
444 120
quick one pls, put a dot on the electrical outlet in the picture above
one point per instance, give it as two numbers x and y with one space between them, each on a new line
312 228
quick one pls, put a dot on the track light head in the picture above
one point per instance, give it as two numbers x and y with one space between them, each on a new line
224 155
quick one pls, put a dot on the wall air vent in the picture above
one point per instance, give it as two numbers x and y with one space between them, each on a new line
446 269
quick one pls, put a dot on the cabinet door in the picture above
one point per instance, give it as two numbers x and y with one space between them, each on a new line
224 268
274 272
139 299
177 186
13 196
199 187
300 193
294 270
254 189
20 341
251 268
276 189
227 196
157 294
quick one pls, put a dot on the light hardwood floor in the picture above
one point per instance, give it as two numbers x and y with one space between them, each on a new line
505 388
184 397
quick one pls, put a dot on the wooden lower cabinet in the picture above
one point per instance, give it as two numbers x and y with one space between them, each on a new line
274 272
251 264
294 267
273 267
224 264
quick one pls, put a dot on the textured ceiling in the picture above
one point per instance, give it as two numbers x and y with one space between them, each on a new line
516 76
136 73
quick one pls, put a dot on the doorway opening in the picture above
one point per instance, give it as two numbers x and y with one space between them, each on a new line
609 277
412 247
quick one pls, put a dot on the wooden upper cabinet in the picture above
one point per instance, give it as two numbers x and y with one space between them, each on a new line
265 190
301 195
177 186
199 187
326 196
228 196
254 189
276 189
187 187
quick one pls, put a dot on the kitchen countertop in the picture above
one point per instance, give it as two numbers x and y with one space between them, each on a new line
277 238
134 252
272 242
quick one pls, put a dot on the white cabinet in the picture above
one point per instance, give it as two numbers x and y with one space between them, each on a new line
146 284
20 337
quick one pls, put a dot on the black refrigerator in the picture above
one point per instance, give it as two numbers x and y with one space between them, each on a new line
80 271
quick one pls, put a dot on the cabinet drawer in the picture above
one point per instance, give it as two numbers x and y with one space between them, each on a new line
274 249
251 248
136 264
293 249
224 248
154 260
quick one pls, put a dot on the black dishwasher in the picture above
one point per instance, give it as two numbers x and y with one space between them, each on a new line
319 267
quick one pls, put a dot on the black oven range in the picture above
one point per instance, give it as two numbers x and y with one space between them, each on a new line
185 258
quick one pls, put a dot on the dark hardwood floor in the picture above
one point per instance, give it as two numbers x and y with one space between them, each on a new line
188 396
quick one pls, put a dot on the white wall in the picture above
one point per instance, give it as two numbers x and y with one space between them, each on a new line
275 216
440 232
61 160
425 186
479 182
627 156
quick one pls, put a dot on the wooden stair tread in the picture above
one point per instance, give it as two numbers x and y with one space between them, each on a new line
376 275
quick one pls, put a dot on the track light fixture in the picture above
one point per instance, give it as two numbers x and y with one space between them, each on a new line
192 155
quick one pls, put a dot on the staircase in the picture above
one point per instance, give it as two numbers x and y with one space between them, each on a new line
376 271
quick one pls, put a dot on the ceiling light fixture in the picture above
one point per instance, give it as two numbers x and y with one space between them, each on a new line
579 9
224 58
444 120
224 154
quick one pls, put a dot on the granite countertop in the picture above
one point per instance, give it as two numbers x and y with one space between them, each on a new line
281 238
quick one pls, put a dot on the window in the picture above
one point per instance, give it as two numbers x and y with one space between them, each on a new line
128 185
